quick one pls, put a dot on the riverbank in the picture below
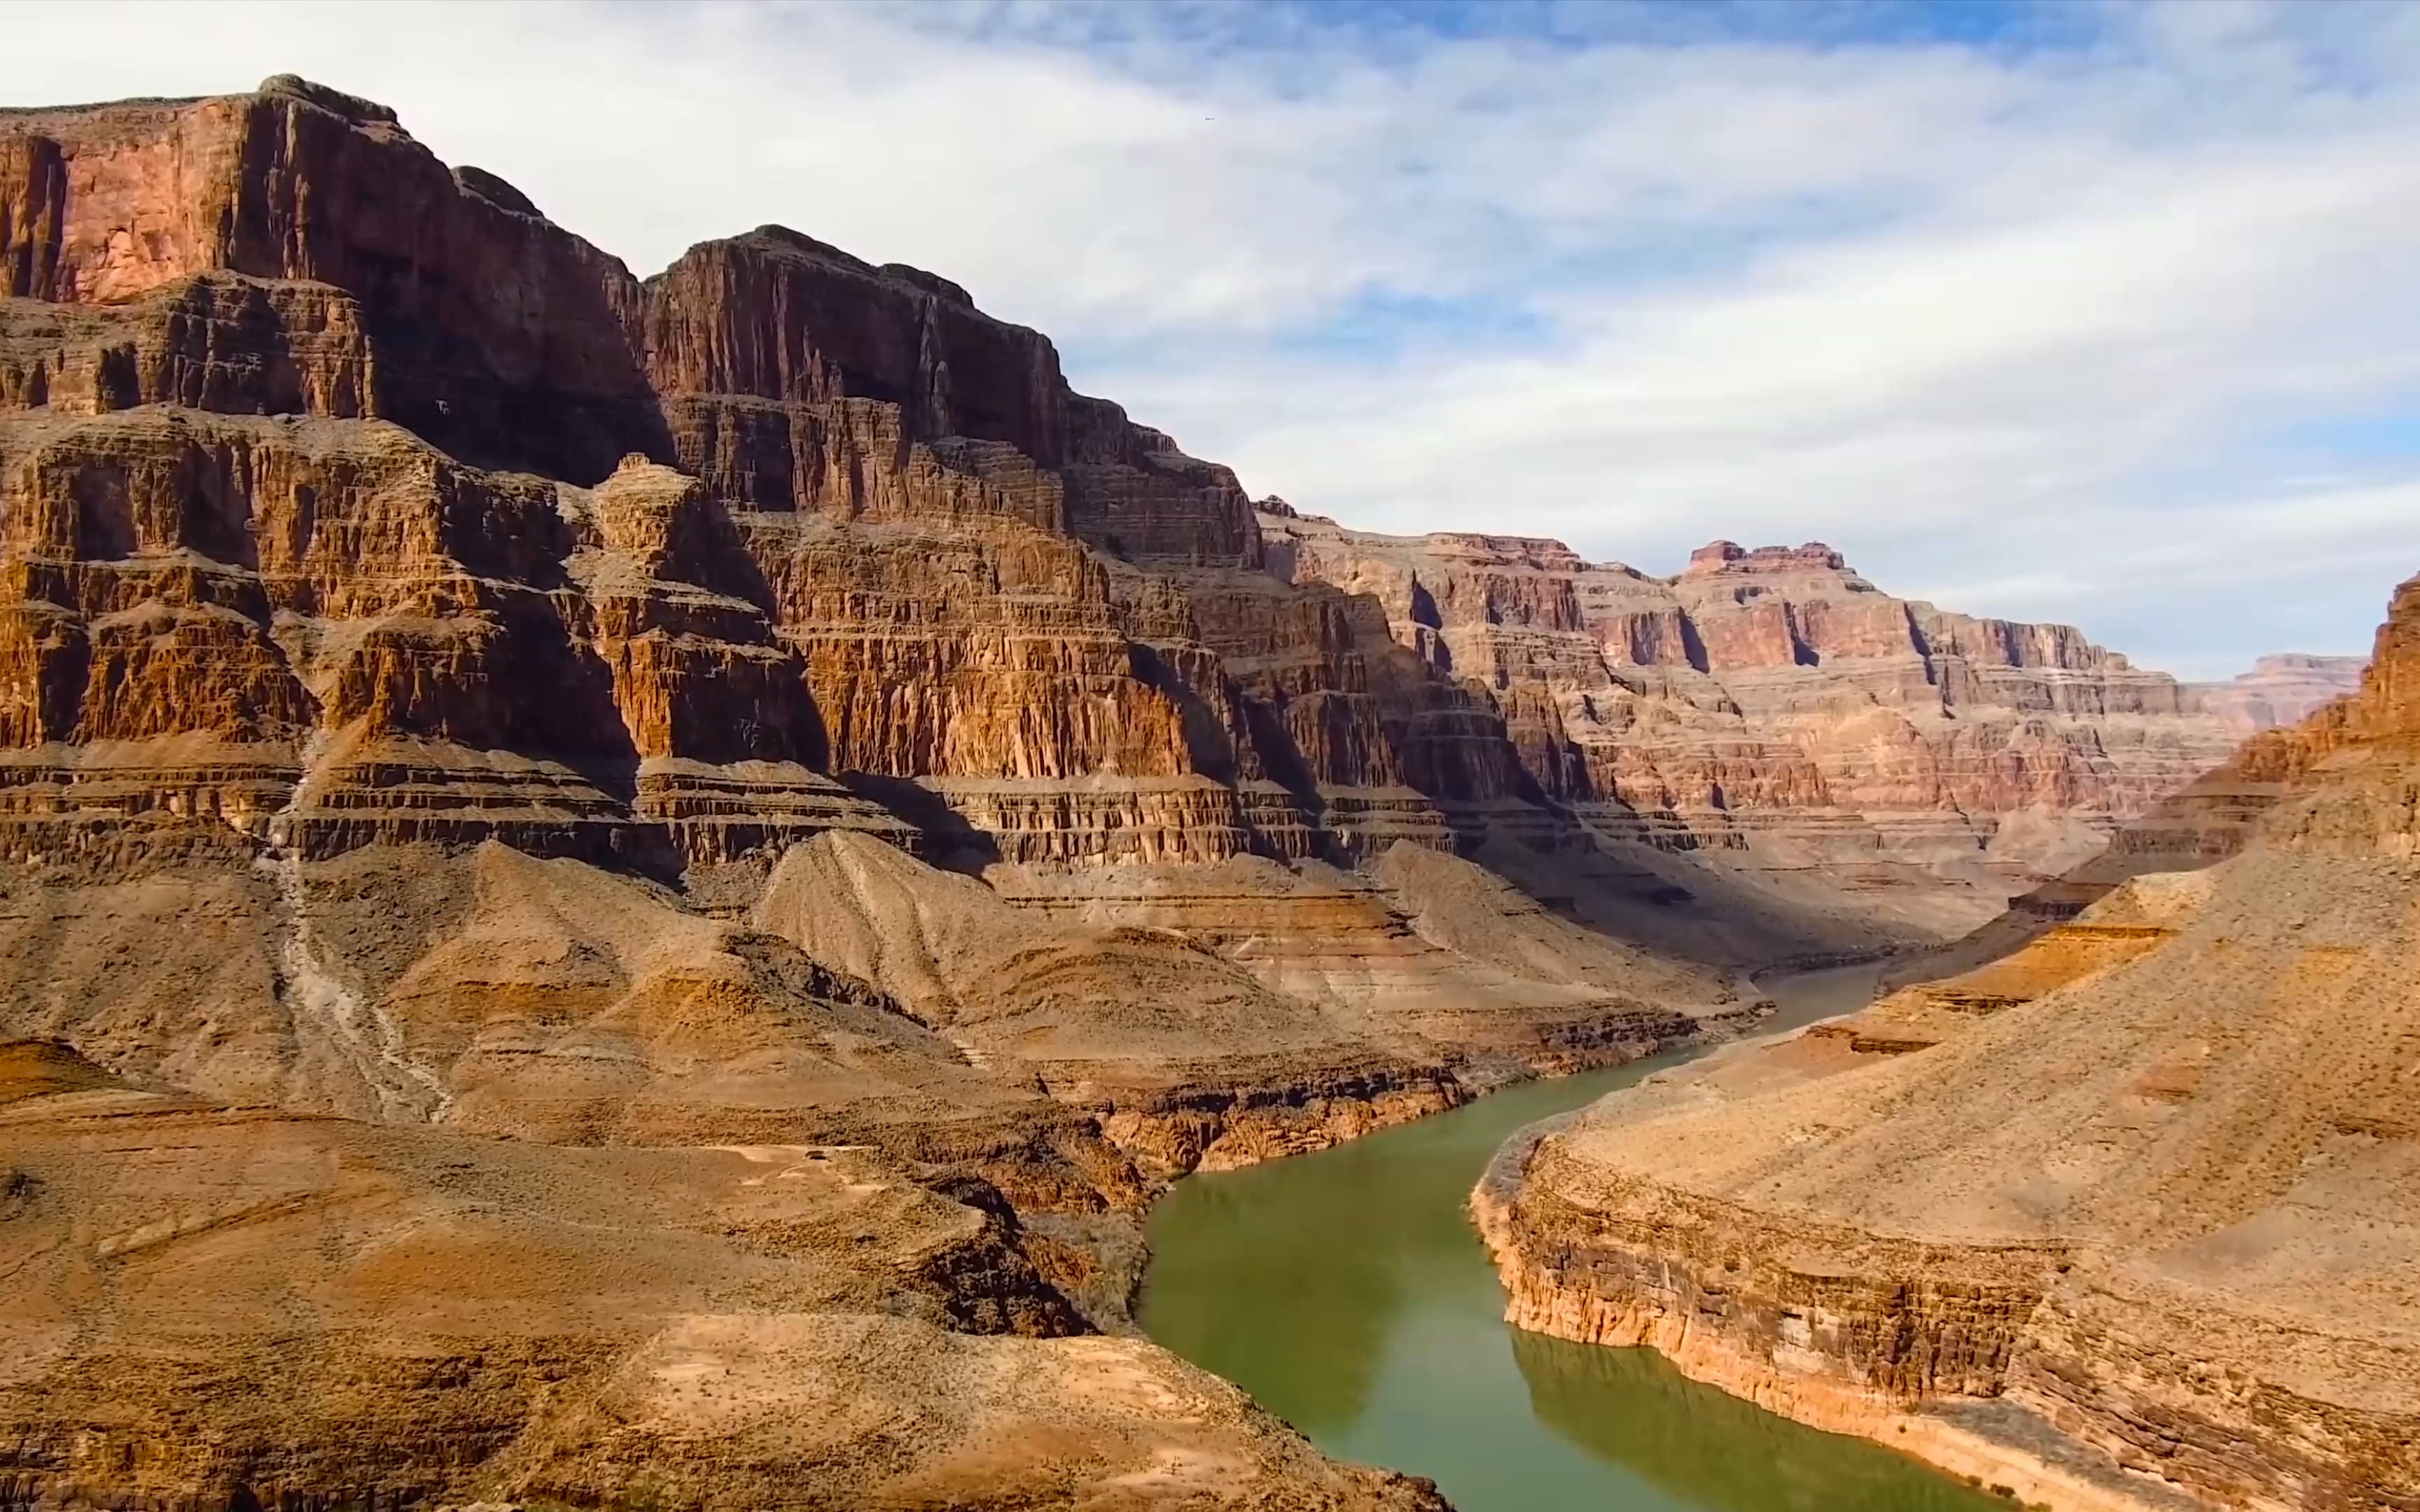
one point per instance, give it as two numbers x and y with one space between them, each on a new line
2021 1457
1212 1130
1729 1297
1345 1291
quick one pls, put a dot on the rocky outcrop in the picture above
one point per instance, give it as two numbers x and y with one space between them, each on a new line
285 381
318 633
2200 825
798 377
213 340
2129 920
499 336
902 552
499 994
1210 1019
2130 1214
1213 1070
314 1310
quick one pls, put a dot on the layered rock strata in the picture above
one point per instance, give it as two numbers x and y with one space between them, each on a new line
900 547
1215 1020
497 335
1774 700
1187 1060
2144 1228
211 1305
2281 689
916 587
2202 823
1424 949
2133 918
445 680
499 994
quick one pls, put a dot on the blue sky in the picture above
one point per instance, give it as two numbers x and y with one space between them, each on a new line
2100 311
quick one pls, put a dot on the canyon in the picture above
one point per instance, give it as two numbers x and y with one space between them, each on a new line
594 870
2122 1219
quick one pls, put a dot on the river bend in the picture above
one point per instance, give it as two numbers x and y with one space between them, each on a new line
1348 1293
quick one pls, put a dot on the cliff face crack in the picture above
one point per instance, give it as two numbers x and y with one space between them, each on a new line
359 1035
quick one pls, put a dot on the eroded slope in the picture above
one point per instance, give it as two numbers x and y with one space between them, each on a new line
2160 1195
209 1304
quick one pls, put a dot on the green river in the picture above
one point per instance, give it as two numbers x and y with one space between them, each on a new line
1348 1293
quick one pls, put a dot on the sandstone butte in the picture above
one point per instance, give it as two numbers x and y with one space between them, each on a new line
2129 1218
620 890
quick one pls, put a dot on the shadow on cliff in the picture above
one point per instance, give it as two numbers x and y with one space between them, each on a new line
1208 743
950 842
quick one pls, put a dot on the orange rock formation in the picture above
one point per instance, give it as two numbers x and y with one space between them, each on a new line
446 679
282 381
2128 1215
1775 698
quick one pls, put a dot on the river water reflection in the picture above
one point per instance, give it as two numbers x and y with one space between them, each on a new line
1346 1291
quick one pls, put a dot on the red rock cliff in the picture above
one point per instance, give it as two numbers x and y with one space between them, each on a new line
896 546
1774 693
898 543
500 336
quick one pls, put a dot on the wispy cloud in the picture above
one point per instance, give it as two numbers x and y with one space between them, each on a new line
2097 311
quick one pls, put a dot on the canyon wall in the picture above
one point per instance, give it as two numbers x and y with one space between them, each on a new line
754 723
761 716
282 388
282 382
774 545
1773 699
2127 1215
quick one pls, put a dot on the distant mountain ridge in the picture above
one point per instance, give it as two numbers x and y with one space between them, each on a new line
1773 697
2282 688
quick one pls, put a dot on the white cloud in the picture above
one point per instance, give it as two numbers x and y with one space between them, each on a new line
2038 327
